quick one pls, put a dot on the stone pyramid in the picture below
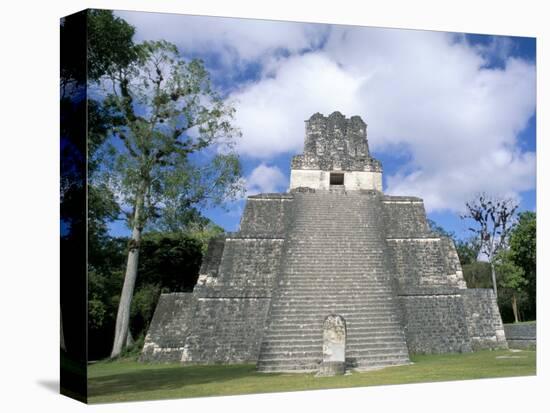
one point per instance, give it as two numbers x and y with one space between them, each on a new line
332 246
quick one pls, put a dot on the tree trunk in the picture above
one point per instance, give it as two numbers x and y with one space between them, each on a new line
129 339
515 307
123 313
494 277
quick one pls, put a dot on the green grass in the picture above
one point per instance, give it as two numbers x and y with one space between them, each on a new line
127 380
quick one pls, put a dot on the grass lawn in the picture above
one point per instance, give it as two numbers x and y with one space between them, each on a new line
127 380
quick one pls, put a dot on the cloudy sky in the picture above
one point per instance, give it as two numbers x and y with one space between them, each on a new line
449 115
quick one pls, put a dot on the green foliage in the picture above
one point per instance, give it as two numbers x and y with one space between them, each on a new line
510 275
468 250
169 112
477 274
173 260
133 351
204 234
523 242
170 263
171 153
512 280
110 45
523 250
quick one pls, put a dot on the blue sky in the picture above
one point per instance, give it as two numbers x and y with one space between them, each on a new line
449 115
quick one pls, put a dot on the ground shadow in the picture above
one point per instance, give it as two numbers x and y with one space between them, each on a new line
51 385
166 379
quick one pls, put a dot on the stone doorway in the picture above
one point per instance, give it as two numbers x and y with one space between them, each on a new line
336 178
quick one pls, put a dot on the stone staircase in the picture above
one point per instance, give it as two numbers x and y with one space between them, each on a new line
334 263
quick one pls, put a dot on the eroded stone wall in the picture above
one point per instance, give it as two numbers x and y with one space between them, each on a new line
170 326
484 323
247 268
521 335
405 217
439 313
435 323
226 330
265 214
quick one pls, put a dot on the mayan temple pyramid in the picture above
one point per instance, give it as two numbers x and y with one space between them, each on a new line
334 247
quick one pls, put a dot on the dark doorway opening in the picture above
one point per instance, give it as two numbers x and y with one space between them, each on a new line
337 178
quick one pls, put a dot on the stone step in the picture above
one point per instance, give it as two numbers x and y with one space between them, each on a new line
372 312
328 288
356 266
316 357
343 267
293 313
335 263
379 277
394 328
351 320
329 297
326 256
358 356
294 282
323 221
324 297
350 340
341 278
279 323
351 348
291 329
311 302
320 284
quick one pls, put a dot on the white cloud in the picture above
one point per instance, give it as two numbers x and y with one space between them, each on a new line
265 179
429 92
271 113
234 39
426 91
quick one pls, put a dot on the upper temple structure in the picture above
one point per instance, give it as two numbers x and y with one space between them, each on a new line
331 275
336 152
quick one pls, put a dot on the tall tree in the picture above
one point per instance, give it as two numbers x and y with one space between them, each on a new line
523 251
511 277
174 151
493 219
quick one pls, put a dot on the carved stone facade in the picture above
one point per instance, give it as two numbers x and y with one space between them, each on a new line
336 152
265 292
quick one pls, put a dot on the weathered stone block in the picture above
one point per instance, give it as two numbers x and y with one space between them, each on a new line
334 346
